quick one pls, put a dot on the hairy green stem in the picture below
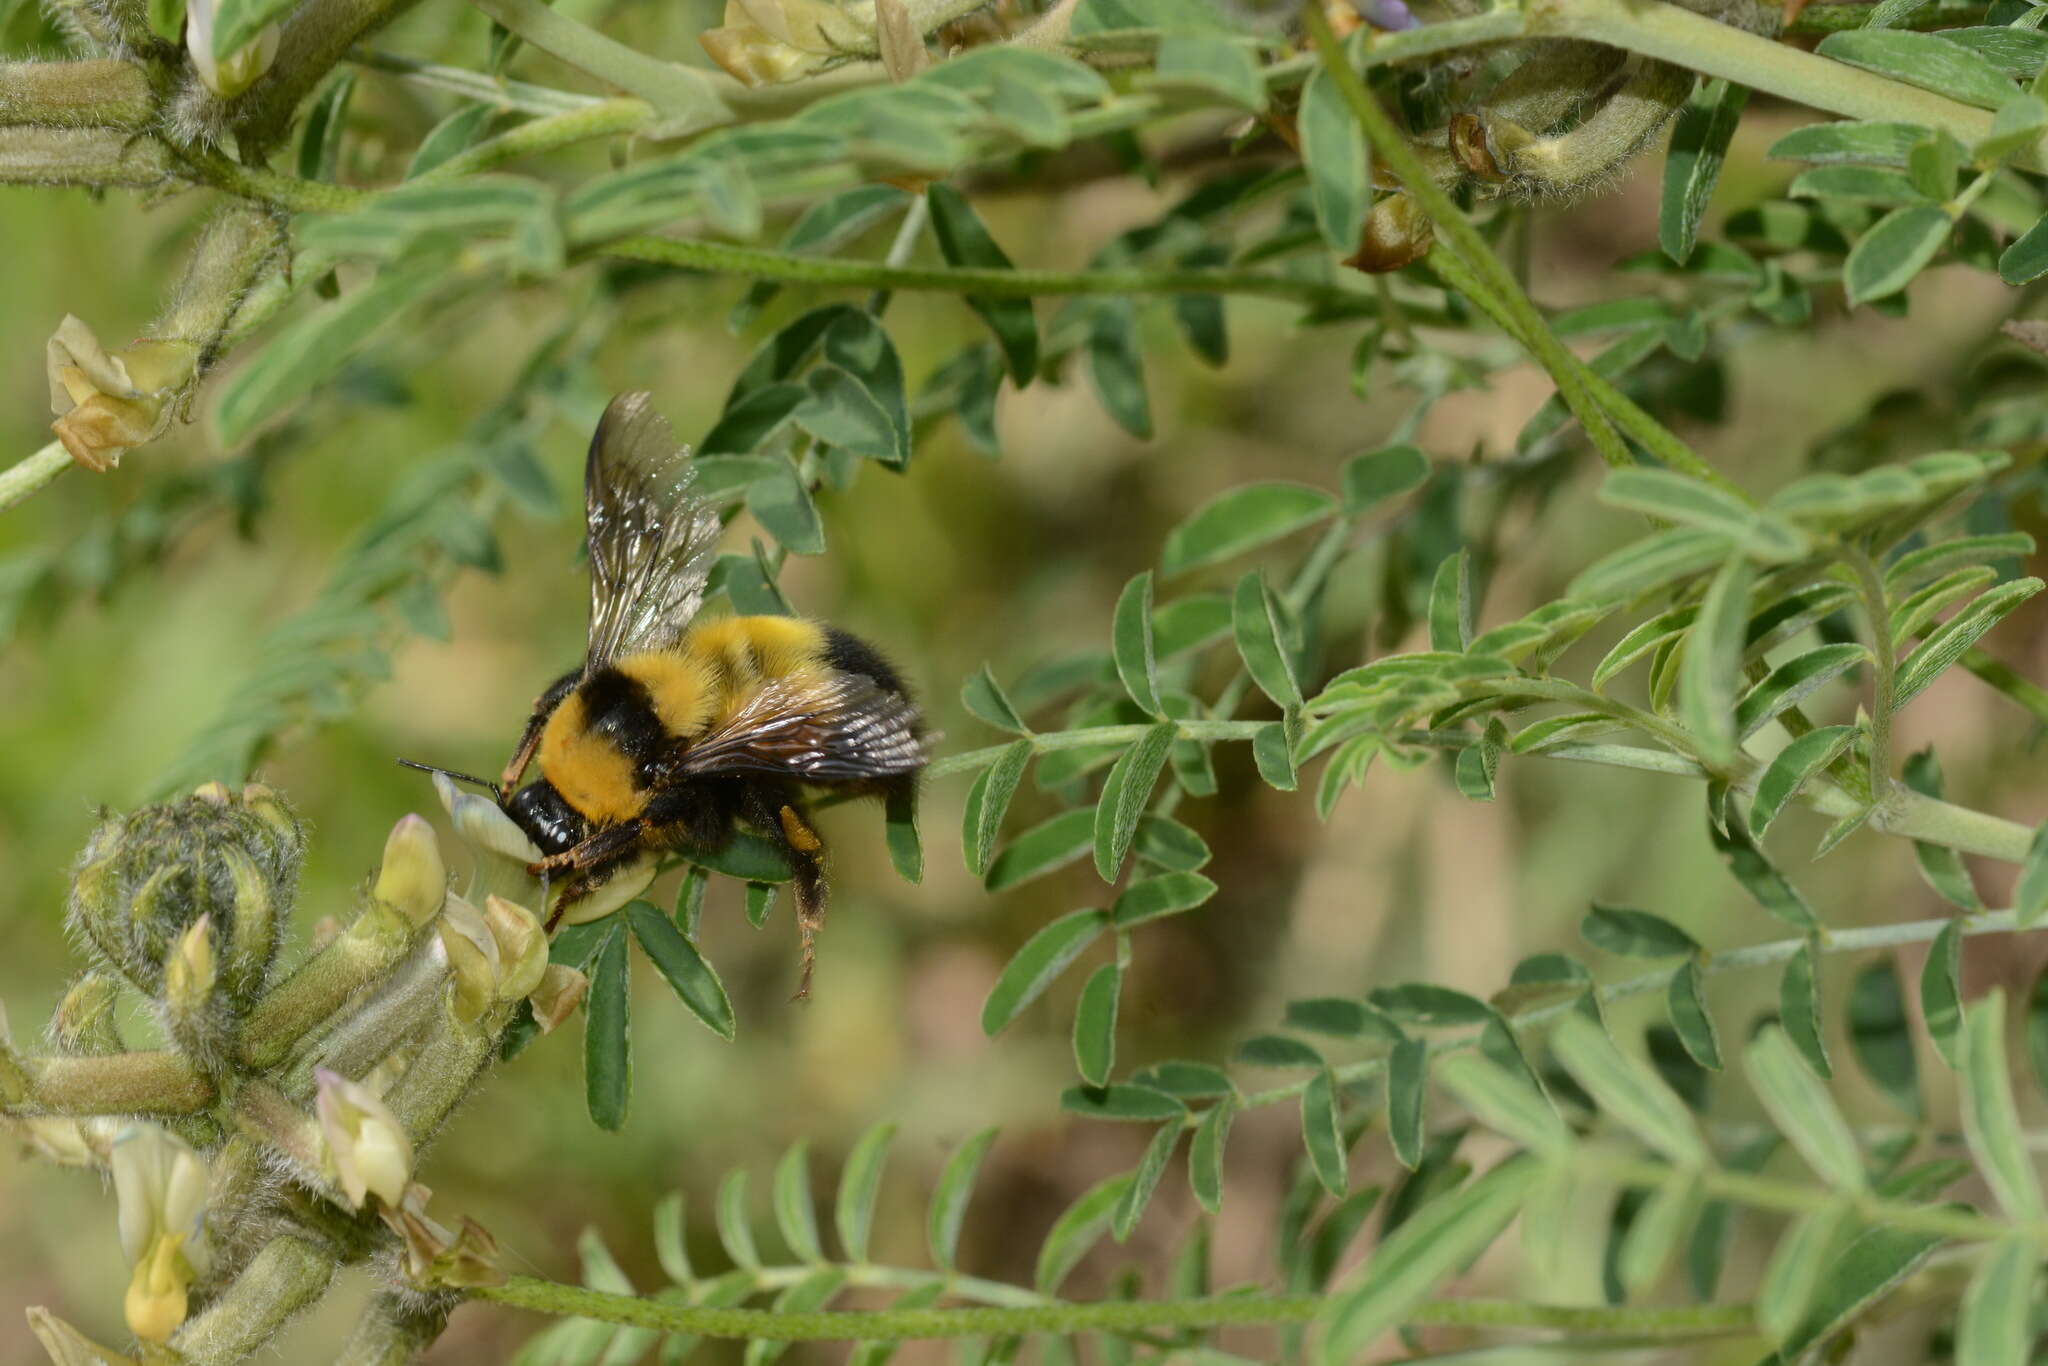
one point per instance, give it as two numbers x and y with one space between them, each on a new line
393 1331
157 1083
94 94
354 962
286 1276
1626 413
772 1325
314 36
32 474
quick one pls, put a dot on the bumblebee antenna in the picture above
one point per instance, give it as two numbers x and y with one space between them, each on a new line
486 784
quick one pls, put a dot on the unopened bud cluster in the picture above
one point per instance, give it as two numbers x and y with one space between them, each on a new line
276 1137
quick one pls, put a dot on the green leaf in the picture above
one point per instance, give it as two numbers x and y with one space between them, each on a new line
1877 144
1256 623
906 851
782 503
1990 1119
1858 184
1993 1326
320 138
760 901
949 1198
1076 1231
1797 1270
1654 1232
1885 259
2019 124
1792 682
607 1037
1243 519
1205 1154
1688 502
1759 876
1145 1180
1428 1247
2026 260
1803 1109
1333 151
457 133
1699 144
1657 561
795 1216
964 241
1374 477
1216 65
1799 1005
311 350
1712 667
1131 635
1635 934
677 959
1933 561
1628 1090
1923 60
1277 1050
1190 623
1686 999
1124 794
1942 866
1428 1005
1881 1033
1153 897
1953 638
1450 604
834 221
1095 1024
859 1184
1274 755
1506 1103
2030 893
1856 1279
1322 1132
1407 1076
1116 367
1050 844
1034 967
1941 997
839 411
985 698
988 801
1792 769
1171 846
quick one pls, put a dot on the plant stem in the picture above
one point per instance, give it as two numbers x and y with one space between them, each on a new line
1493 281
33 473
1653 435
1115 1316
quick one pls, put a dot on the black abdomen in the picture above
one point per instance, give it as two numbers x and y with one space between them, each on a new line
850 654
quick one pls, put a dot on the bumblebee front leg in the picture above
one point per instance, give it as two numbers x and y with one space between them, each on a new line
784 821
543 707
592 859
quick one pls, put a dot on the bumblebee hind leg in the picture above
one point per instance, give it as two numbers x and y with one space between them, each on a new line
780 817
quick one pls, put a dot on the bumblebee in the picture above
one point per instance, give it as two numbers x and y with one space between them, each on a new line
674 731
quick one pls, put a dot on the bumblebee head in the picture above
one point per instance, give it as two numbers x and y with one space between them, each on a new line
548 820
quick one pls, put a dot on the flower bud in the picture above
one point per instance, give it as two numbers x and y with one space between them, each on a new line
226 76
472 957
69 1347
561 990
84 1022
1397 233
193 1012
146 877
160 1188
522 947
413 877
369 1149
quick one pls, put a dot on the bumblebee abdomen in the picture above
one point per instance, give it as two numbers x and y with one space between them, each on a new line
745 651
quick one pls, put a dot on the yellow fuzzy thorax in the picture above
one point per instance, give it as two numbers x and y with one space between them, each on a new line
694 686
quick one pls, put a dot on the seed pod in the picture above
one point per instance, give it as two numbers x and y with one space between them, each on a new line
146 877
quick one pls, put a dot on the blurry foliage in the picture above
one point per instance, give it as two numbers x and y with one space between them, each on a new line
1408 604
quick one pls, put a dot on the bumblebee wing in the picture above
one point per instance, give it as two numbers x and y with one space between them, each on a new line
651 539
833 728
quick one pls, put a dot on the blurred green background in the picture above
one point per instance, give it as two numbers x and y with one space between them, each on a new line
957 562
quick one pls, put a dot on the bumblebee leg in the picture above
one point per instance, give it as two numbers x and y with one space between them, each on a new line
777 815
592 859
543 707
